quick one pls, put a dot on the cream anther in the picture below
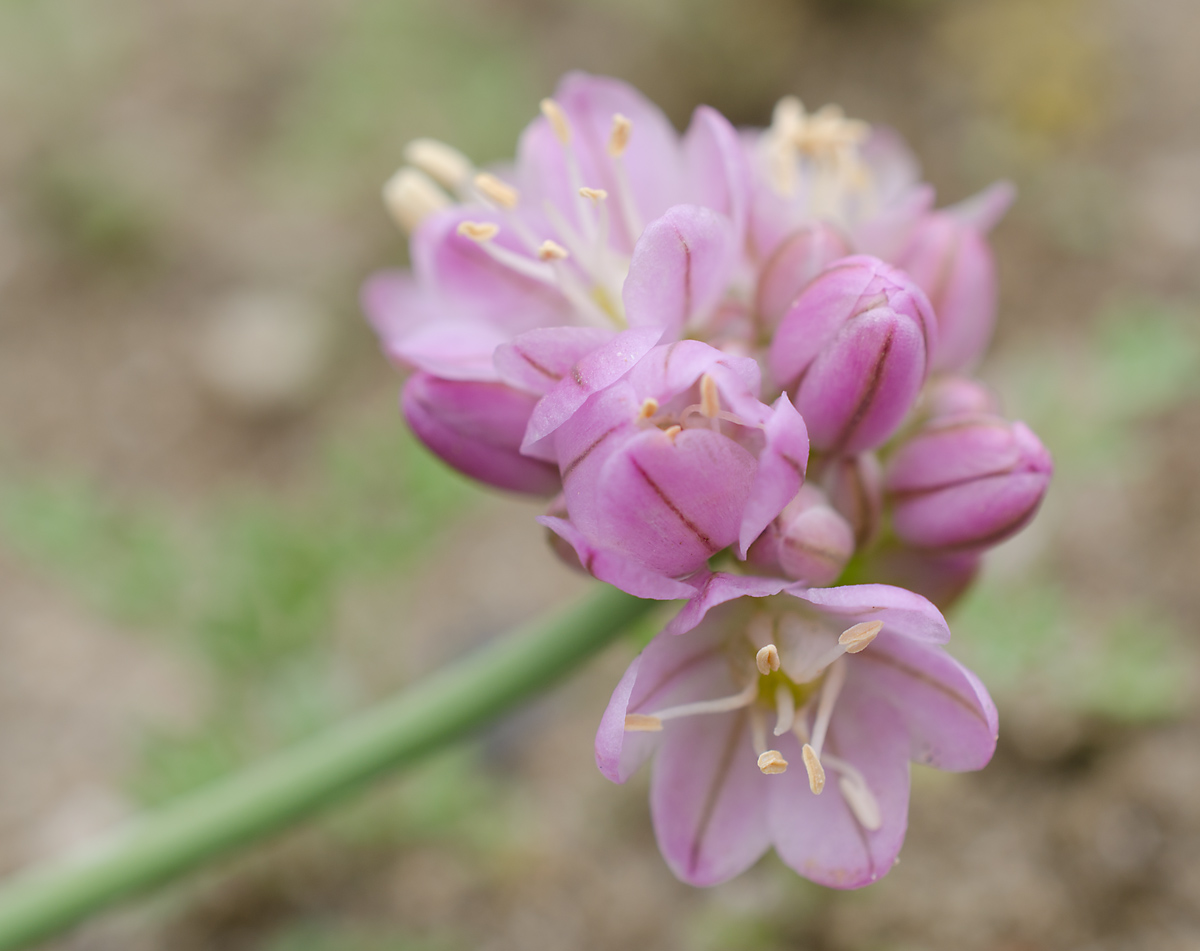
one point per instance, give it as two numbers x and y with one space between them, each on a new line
710 399
816 772
861 801
642 723
649 408
551 251
856 638
479 231
618 139
411 196
767 659
595 194
558 120
440 161
772 762
672 431
496 190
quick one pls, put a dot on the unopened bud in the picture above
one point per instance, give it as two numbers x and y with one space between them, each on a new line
808 542
794 263
477 428
966 483
854 348
854 485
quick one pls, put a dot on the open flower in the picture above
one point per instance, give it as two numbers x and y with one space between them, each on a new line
790 722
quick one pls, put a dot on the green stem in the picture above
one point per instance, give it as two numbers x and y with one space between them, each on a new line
270 795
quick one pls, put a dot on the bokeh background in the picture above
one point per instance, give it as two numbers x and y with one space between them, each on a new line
216 537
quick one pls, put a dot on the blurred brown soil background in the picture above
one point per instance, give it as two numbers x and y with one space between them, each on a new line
215 538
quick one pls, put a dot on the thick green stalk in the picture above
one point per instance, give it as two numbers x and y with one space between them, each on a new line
278 791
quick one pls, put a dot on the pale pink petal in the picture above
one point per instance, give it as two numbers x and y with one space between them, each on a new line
984 210
680 267
708 800
902 612
709 590
950 717
671 369
615 568
718 169
669 672
819 836
538 359
456 349
781 467
599 368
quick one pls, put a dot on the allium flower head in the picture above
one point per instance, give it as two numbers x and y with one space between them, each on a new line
790 722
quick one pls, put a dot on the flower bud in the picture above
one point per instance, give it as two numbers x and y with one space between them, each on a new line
951 396
953 264
942 577
477 427
966 483
799 258
854 348
808 542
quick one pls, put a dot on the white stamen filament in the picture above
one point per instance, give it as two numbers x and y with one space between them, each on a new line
829 694
411 196
482 234
785 709
767 659
625 201
736 701
857 793
497 191
442 162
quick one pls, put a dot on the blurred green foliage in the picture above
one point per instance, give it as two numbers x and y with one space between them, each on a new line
326 936
251 586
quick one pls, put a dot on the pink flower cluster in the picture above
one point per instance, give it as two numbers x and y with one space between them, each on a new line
737 361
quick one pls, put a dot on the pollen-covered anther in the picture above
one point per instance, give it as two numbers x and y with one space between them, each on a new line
479 231
672 431
411 196
767 659
816 772
772 762
856 638
595 194
642 723
618 139
710 399
551 251
649 408
558 120
440 161
496 190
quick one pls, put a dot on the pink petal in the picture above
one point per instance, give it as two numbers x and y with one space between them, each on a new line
902 612
818 836
781 466
615 568
984 210
680 267
709 590
708 798
718 169
672 368
538 359
670 671
674 501
456 349
950 717
598 369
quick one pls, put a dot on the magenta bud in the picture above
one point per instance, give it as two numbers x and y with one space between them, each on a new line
799 258
854 485
854 349
966 483
477 429
953 264
942 577
808 542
